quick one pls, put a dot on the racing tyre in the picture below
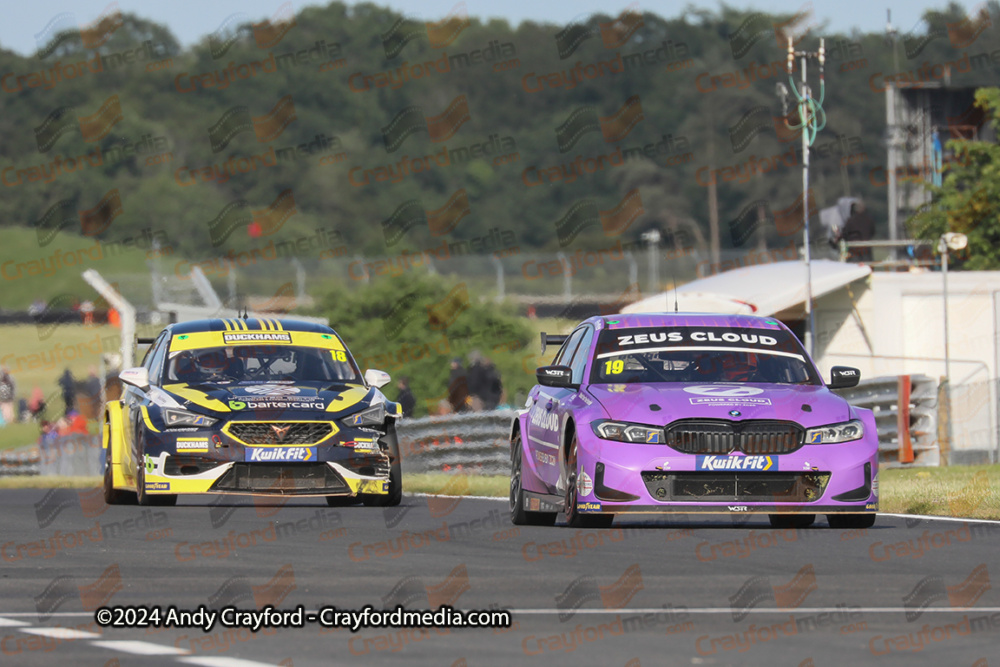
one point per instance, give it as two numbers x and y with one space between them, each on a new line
791 520
395 494
575 519
113 496
851 520
144 498
518 515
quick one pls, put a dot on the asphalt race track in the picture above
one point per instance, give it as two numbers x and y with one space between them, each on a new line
704 591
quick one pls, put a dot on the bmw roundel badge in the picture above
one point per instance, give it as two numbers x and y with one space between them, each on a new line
734 413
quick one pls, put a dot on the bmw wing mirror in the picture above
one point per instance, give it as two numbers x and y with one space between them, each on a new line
137 377
555 376
376 378
844 377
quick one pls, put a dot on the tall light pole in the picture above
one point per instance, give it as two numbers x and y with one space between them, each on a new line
652 238
949 241
810 123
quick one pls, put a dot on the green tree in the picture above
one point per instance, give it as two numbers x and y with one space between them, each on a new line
413 325
968 200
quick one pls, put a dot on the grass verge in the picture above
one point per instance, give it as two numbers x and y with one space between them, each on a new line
20 434
971 492
47 482
457 485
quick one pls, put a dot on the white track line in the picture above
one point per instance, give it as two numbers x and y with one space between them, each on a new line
60 633
11 623
928 517
707 611
136 647
438 495
210 661
938 518
129 646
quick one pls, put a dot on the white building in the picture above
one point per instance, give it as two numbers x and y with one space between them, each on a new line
884 323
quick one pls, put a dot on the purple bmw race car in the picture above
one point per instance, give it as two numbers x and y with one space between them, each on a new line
690 413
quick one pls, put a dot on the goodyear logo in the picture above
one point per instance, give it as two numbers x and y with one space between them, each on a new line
281 454
157 486
275 337
588 507
758 463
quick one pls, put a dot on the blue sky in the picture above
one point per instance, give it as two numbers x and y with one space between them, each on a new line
191 19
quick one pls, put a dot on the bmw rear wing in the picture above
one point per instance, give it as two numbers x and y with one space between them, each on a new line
552 339
141 340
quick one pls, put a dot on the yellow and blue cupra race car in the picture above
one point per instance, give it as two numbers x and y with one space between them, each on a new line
251 406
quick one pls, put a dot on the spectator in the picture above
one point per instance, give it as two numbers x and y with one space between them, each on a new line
46 439
443 408
87 309
36 405
458 386
859 227
485 386
405 397
92 385
61 426
76 423
68 386
479 381
7 393
494 386
90 402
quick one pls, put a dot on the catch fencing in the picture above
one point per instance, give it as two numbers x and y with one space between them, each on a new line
73 455
76 455
969 434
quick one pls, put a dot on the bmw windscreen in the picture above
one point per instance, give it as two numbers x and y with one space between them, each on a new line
701 354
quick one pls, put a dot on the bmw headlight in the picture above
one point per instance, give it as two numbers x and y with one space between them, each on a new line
834 433
626 432
373 416
173 417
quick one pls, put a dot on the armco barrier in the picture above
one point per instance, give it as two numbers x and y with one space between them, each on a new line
882 395
473 443
478 443
21 462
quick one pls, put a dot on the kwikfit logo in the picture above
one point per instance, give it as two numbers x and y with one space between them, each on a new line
735 463
282 454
